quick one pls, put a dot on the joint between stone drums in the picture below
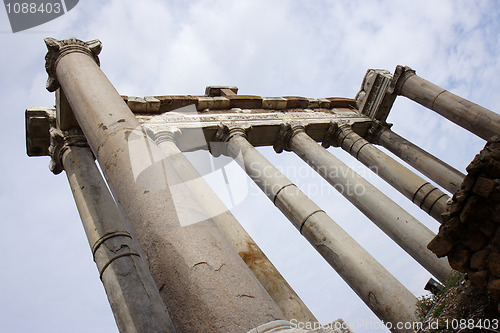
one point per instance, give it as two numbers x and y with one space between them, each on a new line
307 218
278 192
104 238
364 144
418 190
439 198
128 254
426 196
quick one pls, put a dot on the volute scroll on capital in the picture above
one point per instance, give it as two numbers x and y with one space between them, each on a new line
225 132
60 141
401 74
374 132
163 134
59 48
287 131
333 133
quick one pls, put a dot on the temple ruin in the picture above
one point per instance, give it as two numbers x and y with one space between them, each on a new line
172 257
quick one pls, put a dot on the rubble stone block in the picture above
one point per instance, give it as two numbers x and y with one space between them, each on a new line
476 166
479 279
479 260
468 183
488 228
484 187
459 260
492 168
440 246
494 264
453 229
494 289
475 240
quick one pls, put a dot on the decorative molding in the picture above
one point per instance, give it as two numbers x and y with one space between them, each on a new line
287 131
401 74
374 99
38 121
225 132
60 141
374 132
169 133
59 48
332 135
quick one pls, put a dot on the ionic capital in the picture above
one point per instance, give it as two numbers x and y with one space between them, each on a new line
401 74
166 134
225 132
374 132
59 48
287 131
335 133
60 141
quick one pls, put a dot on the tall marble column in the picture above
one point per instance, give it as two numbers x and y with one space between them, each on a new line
440 172
132 293
201 278
383 294
418 190
474 118
183 172
411 235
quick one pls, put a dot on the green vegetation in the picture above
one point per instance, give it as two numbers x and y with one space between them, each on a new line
428 303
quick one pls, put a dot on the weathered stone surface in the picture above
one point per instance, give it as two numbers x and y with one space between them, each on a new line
495 154
468 183
495 241
479 260
294 102
469 211
494 289
494 264
440 246
495 196
488 228
475 166
492 167
453 229
479 279
459 260
495 216
475 240
475 210
484 187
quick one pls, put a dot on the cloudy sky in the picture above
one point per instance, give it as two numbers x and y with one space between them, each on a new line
48 281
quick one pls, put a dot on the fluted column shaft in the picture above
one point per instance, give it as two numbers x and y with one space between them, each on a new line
383 294
418 190
399 225
132 293
275 284
202 280
440 172
474 118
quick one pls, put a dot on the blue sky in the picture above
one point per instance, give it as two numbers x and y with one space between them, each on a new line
48 281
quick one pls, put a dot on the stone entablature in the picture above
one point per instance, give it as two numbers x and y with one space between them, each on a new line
264 114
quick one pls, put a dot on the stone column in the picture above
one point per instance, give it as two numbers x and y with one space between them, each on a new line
383 294
418 190
183 172
440 172
132 293
202 280
411 235
474 118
